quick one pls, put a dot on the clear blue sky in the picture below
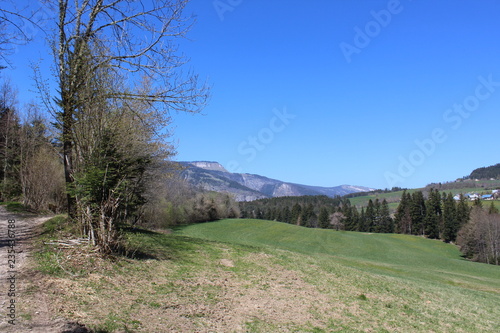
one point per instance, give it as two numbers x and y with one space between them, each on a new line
330 92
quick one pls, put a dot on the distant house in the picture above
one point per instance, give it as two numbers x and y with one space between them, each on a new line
457 197
495 191
474 196
487 197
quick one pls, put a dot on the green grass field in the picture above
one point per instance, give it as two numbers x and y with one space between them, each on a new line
262 276
444 291
412 257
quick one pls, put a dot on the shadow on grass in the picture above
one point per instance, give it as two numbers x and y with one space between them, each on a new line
142 244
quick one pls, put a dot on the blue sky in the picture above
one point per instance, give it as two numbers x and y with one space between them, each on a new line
373 93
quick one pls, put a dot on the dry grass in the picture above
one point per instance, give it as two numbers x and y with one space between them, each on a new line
192 285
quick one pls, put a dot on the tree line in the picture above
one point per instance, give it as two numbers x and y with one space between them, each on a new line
476 230
321 212
31 168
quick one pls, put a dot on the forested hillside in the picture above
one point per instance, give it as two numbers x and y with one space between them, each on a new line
486 172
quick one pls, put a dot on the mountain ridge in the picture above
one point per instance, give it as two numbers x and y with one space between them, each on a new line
212 176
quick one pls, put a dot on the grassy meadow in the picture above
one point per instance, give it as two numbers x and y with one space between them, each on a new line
262 276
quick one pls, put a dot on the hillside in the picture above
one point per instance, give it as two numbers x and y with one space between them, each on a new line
491 172
262 276
247 187
386 254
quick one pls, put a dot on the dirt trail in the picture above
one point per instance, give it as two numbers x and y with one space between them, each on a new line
16 278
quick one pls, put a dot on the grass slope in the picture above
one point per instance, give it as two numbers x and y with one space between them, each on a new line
261 276
396 255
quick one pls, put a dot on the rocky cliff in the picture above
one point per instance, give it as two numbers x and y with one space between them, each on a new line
212 176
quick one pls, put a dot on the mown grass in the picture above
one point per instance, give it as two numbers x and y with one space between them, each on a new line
389 254
260 276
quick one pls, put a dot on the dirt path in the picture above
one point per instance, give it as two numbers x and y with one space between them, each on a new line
18 283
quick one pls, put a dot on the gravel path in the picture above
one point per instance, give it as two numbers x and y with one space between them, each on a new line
16 234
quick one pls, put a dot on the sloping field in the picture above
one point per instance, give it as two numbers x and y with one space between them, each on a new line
261 276
402 256
407 283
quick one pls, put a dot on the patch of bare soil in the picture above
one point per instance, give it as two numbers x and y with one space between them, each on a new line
267 297
24 306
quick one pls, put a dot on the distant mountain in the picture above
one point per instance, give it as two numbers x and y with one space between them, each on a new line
247 187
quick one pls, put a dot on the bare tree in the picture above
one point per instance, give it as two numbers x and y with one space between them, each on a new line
119 72
41 169
479 239
136 41
337 221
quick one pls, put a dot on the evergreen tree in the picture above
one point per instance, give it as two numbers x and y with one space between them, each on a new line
350 221
433 215
463 212
450 220
286 215
362 221
377 221
370 216
324 218
478 203
418 213
354 215
403 220
309 218
296 214
493 209
386 224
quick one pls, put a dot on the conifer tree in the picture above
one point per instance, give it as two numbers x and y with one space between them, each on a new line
362 221
418 213
370 216
433 215
350 221
403 222
296 214
493 209
386 223
286 215
324 218
463 212
450 220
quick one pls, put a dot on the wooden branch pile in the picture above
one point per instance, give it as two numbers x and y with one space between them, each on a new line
68 243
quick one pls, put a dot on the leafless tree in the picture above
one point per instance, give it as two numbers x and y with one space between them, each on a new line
479 239
135 40
337 221
117 67
41 169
